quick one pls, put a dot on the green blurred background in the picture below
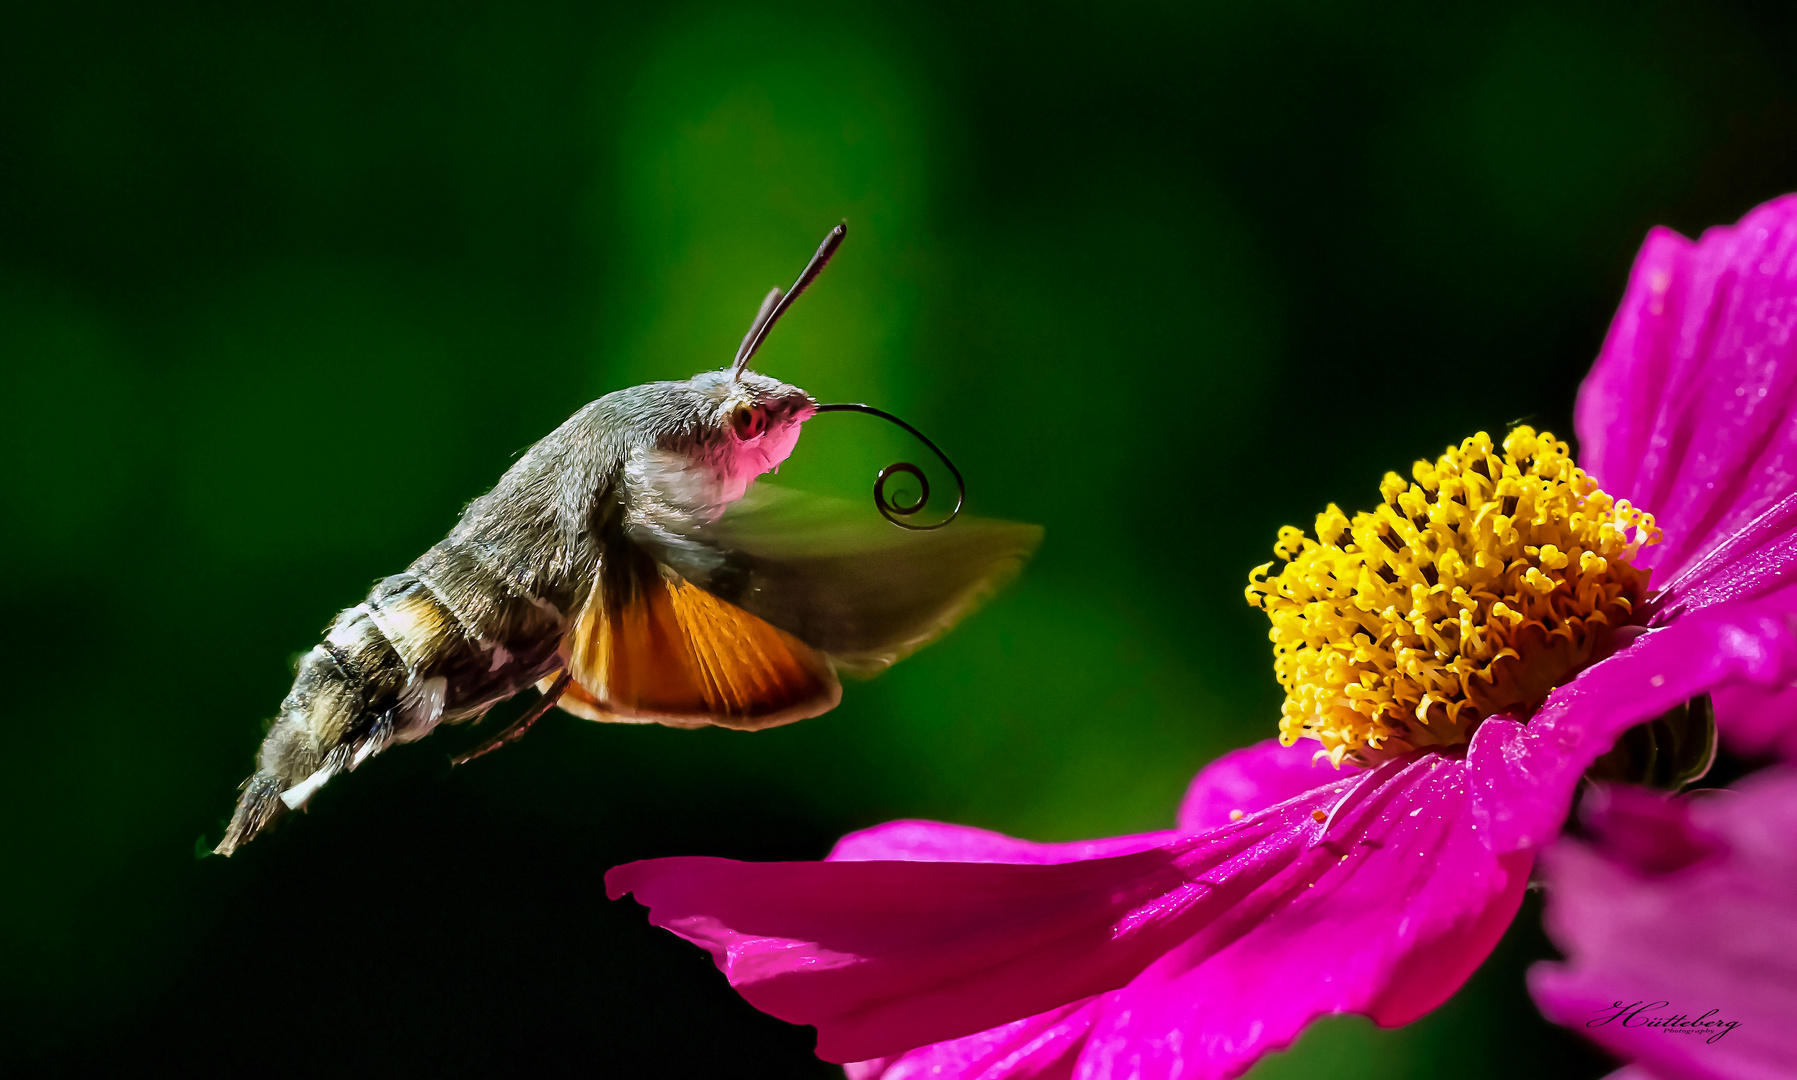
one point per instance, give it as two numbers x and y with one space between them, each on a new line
282 286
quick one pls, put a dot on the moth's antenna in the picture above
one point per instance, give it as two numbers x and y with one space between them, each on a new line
767 306
765 319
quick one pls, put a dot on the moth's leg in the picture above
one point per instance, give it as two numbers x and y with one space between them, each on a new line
518 728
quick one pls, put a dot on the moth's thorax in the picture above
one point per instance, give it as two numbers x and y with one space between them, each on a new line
1472 591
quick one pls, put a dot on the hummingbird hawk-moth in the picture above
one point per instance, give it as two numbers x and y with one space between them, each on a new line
628 567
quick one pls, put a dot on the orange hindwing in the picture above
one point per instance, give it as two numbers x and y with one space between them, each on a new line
672 653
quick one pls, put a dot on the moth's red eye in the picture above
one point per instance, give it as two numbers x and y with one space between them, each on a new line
748 421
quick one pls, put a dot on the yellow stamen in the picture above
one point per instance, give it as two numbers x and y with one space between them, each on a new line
1472 591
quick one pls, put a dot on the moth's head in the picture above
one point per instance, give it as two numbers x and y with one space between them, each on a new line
748 423
752 421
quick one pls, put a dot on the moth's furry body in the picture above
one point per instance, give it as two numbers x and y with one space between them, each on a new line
626 552
483 613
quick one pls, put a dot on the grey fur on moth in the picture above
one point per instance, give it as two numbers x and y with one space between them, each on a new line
641 476
481 615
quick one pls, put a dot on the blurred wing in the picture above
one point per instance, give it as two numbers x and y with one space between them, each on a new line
843 580
649 647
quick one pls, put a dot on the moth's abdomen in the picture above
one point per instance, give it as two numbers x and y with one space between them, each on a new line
446 640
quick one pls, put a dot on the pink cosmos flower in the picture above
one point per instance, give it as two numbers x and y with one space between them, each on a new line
1680 927
1460 685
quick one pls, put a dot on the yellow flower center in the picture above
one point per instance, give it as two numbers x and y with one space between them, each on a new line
1472 591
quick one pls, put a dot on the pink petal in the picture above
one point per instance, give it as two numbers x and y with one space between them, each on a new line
1390 932
933 841
1254 778
887 956
1644 830
1235 938
1247 780
1719 934
1758 720
1758 559
1047 1045
1041 1047
1523 776
1688 411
